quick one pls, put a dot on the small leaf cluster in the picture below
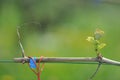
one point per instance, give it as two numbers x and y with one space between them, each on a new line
96 39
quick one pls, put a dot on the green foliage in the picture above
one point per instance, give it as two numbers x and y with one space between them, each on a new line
96 39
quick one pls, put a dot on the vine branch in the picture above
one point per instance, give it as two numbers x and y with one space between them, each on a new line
87 60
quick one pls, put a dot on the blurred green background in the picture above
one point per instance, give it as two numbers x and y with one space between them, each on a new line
58 28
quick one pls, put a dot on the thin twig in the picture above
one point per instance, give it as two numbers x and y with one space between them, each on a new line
99 64
22 49
18 33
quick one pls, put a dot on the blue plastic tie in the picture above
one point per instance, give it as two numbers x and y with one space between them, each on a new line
33 62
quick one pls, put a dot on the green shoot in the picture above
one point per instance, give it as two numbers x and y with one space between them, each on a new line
95 40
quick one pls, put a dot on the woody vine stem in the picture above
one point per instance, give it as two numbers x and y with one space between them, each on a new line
71 60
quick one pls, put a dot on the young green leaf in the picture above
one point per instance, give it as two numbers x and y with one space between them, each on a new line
90 39
98 34
102 45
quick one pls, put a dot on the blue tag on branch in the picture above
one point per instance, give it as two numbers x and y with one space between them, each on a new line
32 62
